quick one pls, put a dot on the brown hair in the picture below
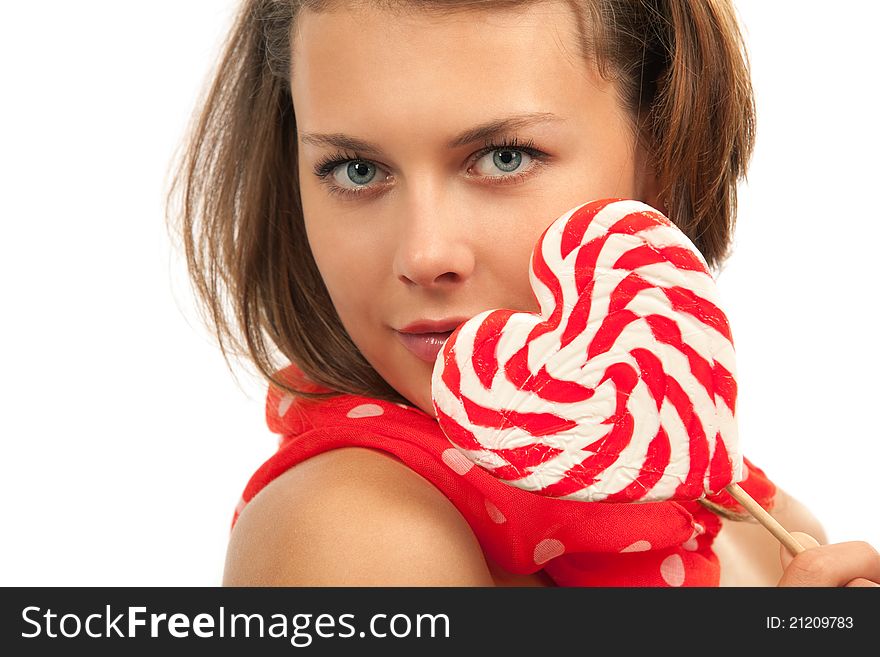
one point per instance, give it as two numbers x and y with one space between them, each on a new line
680 67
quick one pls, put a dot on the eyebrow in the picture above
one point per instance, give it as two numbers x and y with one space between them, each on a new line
478 133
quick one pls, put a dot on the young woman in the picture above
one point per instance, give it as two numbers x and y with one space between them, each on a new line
364 177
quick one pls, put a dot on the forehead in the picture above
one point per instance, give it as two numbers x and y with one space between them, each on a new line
356 66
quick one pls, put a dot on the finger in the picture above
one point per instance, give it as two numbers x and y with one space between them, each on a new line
832 565
805 540
862 582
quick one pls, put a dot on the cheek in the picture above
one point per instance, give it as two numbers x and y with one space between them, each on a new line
511 258
338 262
340 238
338 271
321 231
352 273
586 181
325 235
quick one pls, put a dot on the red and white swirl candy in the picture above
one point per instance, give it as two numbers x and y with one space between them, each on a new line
623 389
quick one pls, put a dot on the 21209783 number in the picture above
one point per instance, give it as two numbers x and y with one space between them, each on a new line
810 622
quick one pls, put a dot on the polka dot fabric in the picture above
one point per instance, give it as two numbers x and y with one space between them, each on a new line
575 543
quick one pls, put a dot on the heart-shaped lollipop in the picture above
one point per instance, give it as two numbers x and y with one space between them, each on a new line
623 389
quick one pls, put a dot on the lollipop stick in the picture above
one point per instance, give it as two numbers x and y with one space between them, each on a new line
765 519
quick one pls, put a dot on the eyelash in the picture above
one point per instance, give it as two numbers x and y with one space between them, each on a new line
328 164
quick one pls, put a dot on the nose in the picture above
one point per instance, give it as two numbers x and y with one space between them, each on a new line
435 247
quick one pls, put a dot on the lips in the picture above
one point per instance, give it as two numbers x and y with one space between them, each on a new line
425 338
425 346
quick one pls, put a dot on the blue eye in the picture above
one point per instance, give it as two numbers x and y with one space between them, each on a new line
508 157
506 160
517 161
357 172
360 172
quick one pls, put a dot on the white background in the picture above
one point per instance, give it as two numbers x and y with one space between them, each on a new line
126 442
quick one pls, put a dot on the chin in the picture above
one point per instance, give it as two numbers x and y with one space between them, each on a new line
417 387
424 402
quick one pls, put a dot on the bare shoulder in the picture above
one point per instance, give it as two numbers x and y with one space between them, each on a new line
749 554
353 516
795 517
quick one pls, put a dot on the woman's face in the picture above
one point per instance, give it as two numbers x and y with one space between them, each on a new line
445 146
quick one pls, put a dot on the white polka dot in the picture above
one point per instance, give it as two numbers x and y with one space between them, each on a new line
672 570
456 460
548 549
365 410
494 513
698 528
638 546
690 544
284 405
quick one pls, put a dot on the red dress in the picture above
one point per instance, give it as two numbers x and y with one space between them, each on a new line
576 543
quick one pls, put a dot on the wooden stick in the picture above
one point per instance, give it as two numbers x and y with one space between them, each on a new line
765 519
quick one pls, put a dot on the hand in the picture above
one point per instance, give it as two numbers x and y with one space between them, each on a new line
854 563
